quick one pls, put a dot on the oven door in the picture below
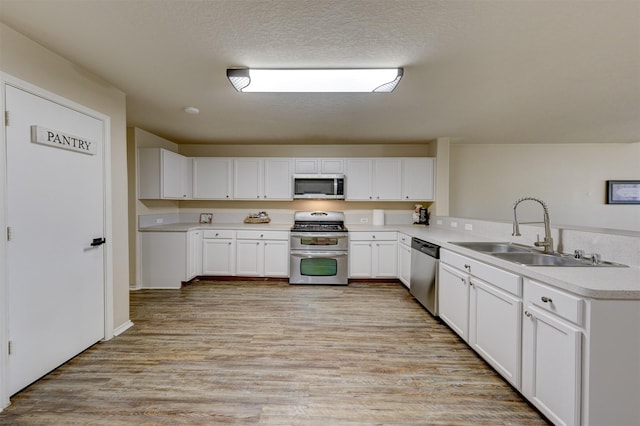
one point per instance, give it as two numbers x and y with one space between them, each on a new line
319 267
319 241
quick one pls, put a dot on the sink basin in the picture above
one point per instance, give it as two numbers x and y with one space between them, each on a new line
541 259
493 247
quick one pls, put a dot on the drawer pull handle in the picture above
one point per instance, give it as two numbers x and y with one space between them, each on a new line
546 299
527 313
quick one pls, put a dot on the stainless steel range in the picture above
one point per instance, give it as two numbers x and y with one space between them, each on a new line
319 249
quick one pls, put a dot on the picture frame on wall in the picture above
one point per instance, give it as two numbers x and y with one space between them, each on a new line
623 192
206 217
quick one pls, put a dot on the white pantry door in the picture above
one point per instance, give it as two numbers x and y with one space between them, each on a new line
55 208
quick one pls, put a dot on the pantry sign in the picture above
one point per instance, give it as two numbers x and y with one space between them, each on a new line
57 139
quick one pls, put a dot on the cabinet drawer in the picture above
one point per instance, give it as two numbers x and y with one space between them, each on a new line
404 239
504 280
563 304
263 235
218 233
373 236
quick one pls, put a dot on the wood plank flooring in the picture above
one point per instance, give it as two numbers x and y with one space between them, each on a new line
267 353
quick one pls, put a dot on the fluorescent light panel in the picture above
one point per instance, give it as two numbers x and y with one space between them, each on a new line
315 80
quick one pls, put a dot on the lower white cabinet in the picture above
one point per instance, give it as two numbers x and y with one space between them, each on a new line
168 258
482 304
262 253
404 259
373 255
219 252
552 352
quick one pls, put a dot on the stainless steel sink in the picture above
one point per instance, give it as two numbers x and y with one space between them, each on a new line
529 256
541 259
493 247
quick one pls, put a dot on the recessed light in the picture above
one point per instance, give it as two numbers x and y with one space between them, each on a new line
192 110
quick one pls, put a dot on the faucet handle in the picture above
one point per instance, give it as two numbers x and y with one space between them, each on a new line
578 254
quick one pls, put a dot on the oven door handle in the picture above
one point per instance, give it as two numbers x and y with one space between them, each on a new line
317 234
324 254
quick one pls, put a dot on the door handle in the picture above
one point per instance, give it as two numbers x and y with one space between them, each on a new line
98 242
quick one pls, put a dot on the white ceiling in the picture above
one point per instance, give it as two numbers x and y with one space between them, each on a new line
476 71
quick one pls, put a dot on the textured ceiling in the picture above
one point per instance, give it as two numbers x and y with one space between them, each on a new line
476 71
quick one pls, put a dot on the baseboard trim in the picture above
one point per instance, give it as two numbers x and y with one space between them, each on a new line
121 329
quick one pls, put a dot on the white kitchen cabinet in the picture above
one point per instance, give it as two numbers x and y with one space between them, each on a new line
219 252
260 179
166 259
378 179
262 253
319 165
163 174
418 179
483 305
373 255
194 254
552 353
212 178
454 299
404 259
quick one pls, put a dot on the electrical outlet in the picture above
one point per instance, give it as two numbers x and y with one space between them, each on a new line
160 220
454 224
364 220
468 227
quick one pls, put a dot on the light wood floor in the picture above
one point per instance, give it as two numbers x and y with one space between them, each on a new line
272 354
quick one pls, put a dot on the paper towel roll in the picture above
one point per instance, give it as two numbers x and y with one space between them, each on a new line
378 217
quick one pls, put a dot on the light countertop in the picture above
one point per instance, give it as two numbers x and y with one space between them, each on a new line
594 282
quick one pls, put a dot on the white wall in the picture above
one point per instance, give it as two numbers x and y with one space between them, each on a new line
24 59
486 179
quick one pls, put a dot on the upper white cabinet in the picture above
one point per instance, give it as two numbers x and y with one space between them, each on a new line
377 179
262 179
212 178
166 175
163 174
418 179
390 179
319 165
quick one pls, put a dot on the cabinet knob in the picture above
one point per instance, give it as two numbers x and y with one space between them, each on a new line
407 197
217 234
528 314
258 243
261 235
546 299
467 267
370 197
229 243
227 196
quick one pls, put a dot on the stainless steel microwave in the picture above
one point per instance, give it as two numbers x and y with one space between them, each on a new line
319 187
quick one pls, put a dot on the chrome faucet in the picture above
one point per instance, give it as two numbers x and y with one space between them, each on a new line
547 243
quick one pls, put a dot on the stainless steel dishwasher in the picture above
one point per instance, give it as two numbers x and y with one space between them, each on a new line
424 274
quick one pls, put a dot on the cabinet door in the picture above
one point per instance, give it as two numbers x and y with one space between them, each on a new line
360 255
385 259
194 254
247 179
358 181
276 258
387 179
249 258
418 182
404 264
332 166
453 299
495 329
278 183
551 367
172 174
218 257
212 178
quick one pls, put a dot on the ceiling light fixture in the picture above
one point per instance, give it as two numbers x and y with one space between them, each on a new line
315 80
